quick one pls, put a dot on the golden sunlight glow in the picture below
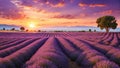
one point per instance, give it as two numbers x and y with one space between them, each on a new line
31 25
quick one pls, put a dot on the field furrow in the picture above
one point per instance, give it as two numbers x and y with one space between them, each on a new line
60 50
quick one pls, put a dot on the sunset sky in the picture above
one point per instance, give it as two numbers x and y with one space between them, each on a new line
49 13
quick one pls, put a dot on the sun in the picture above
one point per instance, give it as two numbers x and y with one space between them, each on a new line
32 25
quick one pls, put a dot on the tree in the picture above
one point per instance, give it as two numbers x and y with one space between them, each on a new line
3 28
107 22
39 30
94 30
13 29
90 30
22 28
27 30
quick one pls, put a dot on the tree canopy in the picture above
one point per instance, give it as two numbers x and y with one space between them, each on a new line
106 22
22 28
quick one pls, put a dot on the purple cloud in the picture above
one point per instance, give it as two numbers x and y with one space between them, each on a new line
9 10
114 4
35 3
67 16
27 2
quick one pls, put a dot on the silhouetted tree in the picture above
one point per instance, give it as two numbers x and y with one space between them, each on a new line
13 29
106 22
27 30
90 30
22 28
39 30
94 30
3 28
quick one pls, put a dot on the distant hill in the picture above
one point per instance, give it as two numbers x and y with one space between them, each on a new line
8 26
77 28
61 28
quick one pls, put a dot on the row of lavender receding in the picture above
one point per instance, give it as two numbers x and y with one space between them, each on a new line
54 50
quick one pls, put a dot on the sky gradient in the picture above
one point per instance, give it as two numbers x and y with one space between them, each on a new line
50 13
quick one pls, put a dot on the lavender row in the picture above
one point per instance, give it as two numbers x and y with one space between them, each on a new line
10 50
46 34
48 56
112 40
5 39
108 39
111 52
12 44
17 59
89 57
115 42
8 41
68 48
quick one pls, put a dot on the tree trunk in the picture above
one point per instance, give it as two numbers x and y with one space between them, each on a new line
107 29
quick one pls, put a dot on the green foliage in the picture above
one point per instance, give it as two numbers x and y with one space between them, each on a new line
107 22
114 25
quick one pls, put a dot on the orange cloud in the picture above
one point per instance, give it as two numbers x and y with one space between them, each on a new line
108 12
97 5
61 4
91 5
69 22
82 15
82 4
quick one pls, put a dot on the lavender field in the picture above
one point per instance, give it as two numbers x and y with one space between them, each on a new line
60 50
